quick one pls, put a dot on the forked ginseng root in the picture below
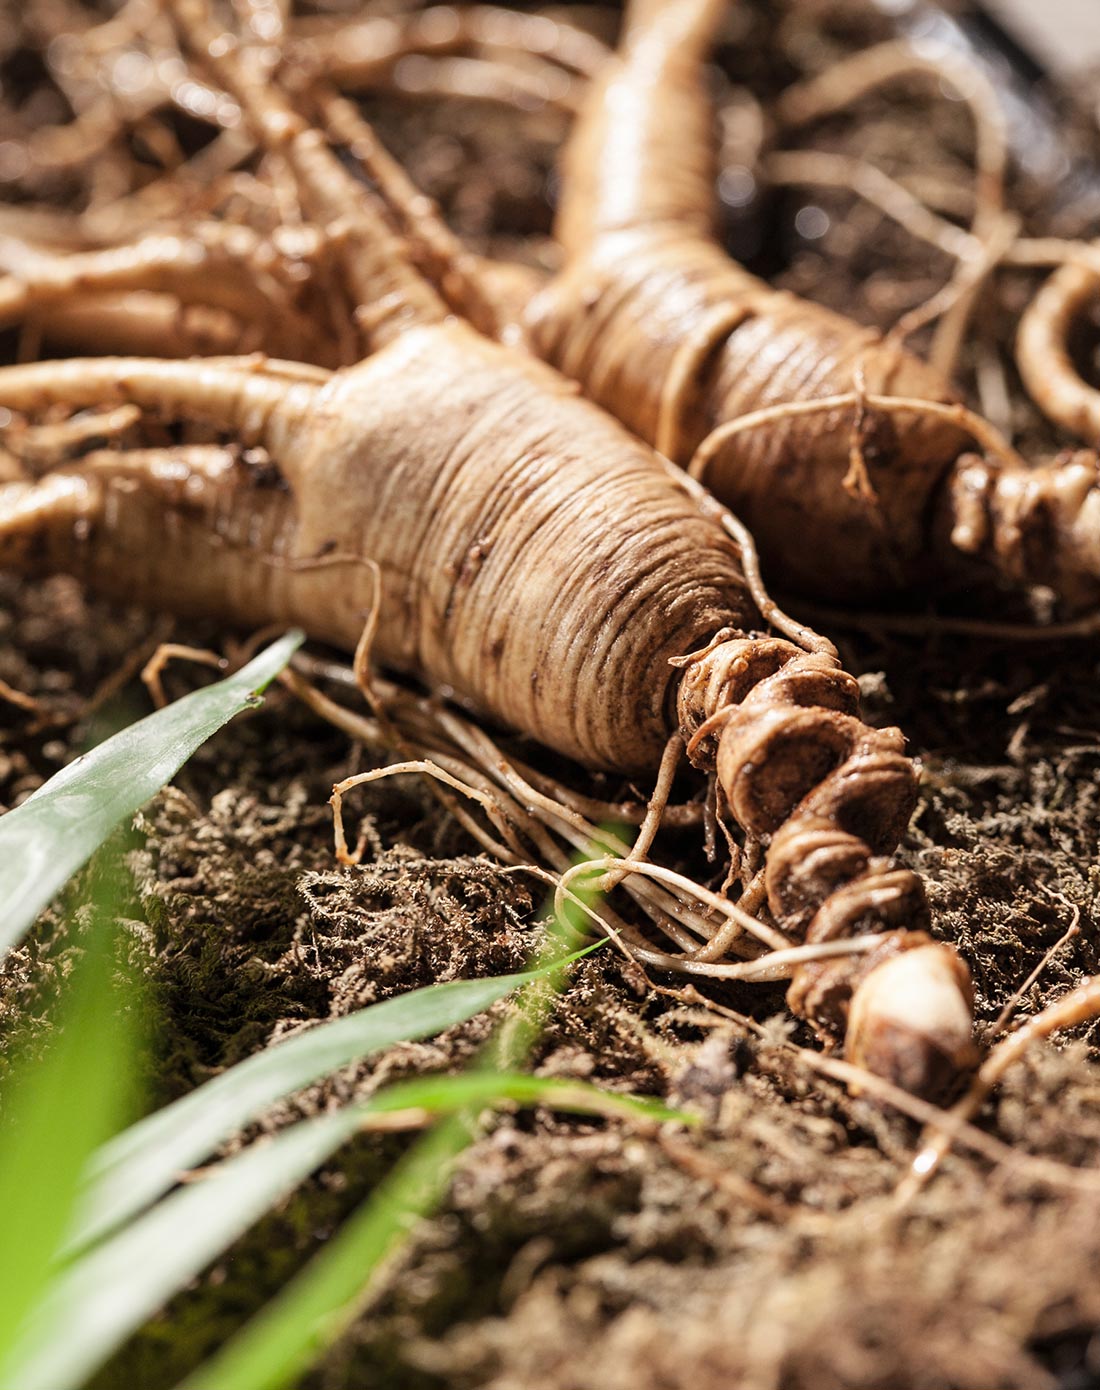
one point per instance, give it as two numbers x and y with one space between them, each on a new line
805 423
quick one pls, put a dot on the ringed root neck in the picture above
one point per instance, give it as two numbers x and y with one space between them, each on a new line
831 797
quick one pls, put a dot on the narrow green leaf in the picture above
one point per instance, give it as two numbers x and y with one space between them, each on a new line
44 841
55 1111
318 1305
321 1302
142 1163
441 1094
108 1293
94 1305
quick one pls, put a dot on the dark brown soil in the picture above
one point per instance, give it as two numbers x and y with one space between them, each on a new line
766 1250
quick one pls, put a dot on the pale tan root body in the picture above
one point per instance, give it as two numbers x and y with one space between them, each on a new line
665 331
228 274
1043 356
532 560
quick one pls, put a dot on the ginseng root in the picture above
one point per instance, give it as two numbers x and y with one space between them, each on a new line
524 551
534 560
806 424
229 270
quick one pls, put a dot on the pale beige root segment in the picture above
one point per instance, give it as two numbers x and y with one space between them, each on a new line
209 514
914 1008
144 325
671 336
1043 356
217 276
389 294
1037 525
649 310
218 266
250 403
674 338
356 51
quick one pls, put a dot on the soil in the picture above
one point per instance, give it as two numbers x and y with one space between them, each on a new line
767 1249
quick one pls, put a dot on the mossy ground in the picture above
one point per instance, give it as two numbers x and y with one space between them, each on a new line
573 1253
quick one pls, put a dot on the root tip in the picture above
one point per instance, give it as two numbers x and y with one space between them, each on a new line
910 1021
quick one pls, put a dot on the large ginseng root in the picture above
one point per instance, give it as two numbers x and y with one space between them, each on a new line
528 554
843 453
522 550
856 470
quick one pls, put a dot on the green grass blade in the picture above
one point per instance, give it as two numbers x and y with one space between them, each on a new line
56 1109
94 1305
144 1162
44 841
317 1306
108 1293
320 1303
442 1094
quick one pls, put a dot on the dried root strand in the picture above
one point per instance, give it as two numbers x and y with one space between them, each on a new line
219 267
1043 354
991 440
520 59
443 258
893 199
152 673
495 81
510 851
446 29
387 293
42 447
851 79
